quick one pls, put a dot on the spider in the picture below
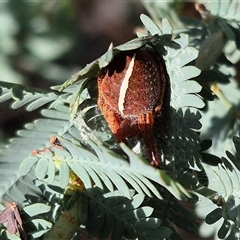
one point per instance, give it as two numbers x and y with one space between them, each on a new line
130 94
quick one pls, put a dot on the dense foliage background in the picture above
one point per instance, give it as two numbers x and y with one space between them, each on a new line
63 167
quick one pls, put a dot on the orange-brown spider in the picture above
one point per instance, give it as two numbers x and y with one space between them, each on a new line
130 94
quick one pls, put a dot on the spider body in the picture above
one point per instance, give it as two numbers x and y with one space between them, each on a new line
130 94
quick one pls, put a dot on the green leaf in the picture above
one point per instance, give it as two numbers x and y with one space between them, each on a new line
225 9
185 56
41 224
107 227
27 165
234 233
81 173
106 58
224 229
139 213
120 216
183 91
150 25
41 168
165 232
36 208
93 173
34 136
96 225
149 222
187 72
26 96
186 87
210 159
51 172
137 200
166 27
225 179
232 210
5 92
233 160
64 174
39 103
214 216
134 44
143 172
89 71
117 181
188 101
134 182
17 92
118 229
206 144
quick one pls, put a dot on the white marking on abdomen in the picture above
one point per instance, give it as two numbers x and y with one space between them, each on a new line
124 86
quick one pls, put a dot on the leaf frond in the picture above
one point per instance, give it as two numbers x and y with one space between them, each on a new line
35 135
22 95
226 181
115 216
101 168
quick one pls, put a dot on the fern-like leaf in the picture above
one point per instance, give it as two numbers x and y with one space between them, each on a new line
225 9
224 216
102 167
35 135
21 96
181 75
114 215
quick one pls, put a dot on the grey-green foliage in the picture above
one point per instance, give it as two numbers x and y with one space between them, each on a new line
113 214
223 213
219 39
124 196
220 36
94 169
21 96
93 163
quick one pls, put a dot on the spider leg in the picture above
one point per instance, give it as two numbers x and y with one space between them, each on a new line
145 123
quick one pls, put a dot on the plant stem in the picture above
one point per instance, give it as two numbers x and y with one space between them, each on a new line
67 224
